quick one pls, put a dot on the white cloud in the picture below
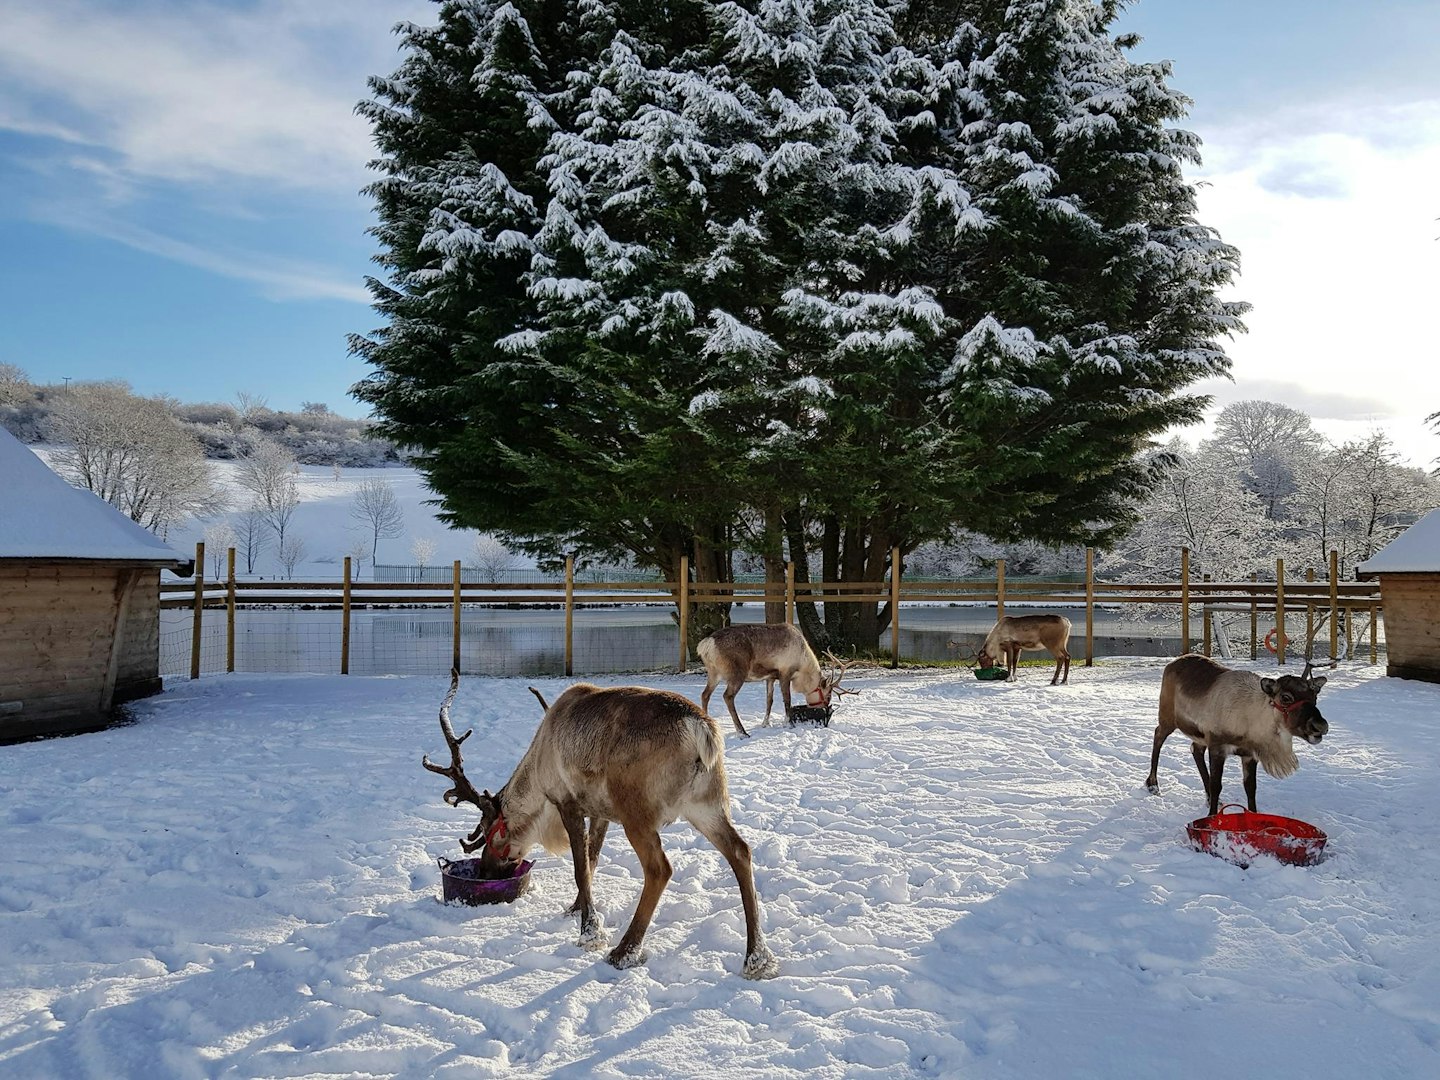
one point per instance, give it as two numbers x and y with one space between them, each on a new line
200 92
1333 210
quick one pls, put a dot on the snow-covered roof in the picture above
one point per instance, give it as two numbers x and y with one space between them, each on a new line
43 517
1415 551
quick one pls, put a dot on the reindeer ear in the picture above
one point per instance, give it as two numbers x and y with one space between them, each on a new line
1317 682
1269 686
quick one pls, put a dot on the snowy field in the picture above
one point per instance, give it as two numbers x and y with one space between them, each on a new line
961 879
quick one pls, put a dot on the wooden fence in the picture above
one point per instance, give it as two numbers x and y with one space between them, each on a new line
1322 600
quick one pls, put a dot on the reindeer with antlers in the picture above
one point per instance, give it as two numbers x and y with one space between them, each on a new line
775 652
629 754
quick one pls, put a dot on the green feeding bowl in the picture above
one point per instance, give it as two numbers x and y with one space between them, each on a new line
990 674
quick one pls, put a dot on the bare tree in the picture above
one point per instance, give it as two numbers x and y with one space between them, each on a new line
219 539
490 557
267 471
134 454
359 552
291 551
376 507
14 385
422 549
250 538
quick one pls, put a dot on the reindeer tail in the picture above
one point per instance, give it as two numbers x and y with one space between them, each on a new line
709 747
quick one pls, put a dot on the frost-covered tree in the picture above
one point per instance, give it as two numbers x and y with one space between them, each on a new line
1199 503
827 278
134 454
266 470
377 508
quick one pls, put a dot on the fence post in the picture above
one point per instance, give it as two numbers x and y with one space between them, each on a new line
1335 605
569 614
1349 632
1374 640
230 610
999 589
894 607
684 611
1309 615
1184 600
790 593
1254 614
199 609
1089 607
1205 619
345 621
1280 611
455 584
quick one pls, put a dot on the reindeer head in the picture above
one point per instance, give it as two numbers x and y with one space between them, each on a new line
830 682
1294 698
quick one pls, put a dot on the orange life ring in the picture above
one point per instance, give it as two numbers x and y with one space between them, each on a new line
1270 639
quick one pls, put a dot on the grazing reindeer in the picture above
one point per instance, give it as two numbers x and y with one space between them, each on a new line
629 754
1226 712
775 652
1016 632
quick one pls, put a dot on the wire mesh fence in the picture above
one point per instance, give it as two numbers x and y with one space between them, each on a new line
530 641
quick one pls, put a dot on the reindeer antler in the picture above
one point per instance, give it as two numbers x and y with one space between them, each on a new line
966 657
843 666
463 789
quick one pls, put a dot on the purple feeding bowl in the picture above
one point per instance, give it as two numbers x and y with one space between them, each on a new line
463 880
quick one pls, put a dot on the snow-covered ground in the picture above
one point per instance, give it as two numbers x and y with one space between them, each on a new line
961 879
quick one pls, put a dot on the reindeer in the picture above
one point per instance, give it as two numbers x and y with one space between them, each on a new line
1226 712
776 652
630 754
1016 632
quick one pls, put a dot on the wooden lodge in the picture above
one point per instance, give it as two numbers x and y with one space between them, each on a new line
1409 572
79 602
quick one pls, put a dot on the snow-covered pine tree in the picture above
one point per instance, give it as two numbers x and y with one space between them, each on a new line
855 271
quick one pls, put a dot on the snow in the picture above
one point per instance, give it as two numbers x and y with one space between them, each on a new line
959 878
42 516
1415 551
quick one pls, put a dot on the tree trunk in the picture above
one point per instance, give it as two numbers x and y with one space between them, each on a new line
774 555
806 616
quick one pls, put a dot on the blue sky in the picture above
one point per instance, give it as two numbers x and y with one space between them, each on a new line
181 205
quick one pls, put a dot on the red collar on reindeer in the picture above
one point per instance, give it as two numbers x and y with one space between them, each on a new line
498 833
1291 709
818 696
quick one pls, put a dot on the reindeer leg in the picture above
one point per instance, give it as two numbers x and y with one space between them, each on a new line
646 842
1197 751
711 681
731 689
1162 732
760 962
591 932
1250 781
769 699
1217 768
598 828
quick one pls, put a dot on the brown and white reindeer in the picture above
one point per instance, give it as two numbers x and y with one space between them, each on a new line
1014 633
627 754
775 652
1225 712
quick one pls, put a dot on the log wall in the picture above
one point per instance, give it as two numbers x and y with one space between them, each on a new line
1412 625
58 620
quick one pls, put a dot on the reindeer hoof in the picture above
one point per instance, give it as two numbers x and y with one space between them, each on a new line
1152 786
593 936
627 959
761 964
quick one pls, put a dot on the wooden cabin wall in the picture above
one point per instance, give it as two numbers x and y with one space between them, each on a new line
57 621
1412 625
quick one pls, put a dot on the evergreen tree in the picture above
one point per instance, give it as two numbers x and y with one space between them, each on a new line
664 281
